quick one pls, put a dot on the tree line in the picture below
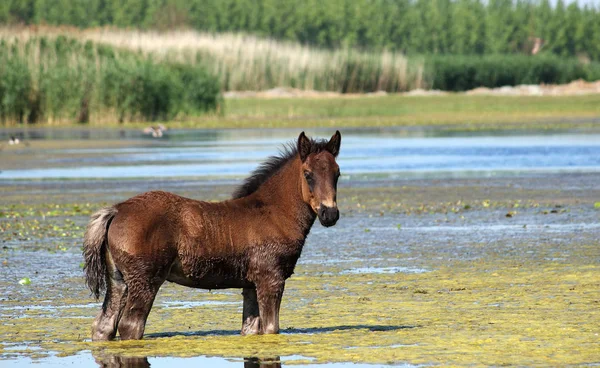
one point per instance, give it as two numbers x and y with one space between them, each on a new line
459 27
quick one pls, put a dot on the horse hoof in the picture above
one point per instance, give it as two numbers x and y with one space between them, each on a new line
251 326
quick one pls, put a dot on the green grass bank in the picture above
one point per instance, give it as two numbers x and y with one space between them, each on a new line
452 111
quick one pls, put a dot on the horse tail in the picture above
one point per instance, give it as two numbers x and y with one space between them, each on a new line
94 242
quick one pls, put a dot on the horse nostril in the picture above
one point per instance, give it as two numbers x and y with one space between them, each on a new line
328 214
334 214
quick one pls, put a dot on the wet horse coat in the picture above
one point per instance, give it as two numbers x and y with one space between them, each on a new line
252 241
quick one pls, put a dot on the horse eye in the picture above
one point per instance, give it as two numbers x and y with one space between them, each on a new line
309 179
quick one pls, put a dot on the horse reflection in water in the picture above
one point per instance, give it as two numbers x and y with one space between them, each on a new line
262 363
116 361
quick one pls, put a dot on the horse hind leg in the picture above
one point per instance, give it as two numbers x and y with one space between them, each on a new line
105 325
139 302
251 315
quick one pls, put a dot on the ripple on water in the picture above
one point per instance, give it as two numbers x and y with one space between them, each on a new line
361 270
192 304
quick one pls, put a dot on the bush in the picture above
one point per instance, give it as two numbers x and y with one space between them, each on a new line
64 80
200 90
460 73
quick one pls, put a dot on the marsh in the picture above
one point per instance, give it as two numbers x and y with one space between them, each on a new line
424 266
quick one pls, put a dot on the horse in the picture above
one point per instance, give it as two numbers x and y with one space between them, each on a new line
251 241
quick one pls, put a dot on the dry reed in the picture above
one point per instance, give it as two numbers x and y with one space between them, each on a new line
245 62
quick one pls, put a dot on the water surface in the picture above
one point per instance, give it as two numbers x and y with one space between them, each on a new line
222 154
412 261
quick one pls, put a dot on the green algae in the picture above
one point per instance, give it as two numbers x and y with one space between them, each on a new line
491 313
537 304
58 226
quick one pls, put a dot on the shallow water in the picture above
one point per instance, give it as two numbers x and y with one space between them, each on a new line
498 269
365 153
86 359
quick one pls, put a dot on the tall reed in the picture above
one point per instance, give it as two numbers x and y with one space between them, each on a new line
246 62
58 79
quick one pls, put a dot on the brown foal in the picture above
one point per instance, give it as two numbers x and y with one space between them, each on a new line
252 241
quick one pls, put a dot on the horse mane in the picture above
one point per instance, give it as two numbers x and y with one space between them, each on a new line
273 164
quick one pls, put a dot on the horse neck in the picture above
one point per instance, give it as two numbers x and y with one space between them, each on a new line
283 191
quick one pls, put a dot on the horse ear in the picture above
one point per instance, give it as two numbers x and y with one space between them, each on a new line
304 146
334 143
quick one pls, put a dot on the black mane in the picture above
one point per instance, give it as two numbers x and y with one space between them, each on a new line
261 174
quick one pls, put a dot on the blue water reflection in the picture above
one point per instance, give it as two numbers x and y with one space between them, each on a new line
383 153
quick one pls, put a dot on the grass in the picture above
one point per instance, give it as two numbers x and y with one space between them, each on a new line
455 111
412 110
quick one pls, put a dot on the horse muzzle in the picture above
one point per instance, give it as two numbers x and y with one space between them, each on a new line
328 216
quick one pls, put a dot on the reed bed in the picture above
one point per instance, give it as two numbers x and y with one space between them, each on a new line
246 62
57 79
52 74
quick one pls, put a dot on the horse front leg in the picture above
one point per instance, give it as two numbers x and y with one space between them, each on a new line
251 316
269 295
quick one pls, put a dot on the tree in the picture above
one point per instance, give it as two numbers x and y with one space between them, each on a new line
559 41
500 21
467 29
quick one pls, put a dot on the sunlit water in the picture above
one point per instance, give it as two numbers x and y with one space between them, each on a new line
387 153
86 359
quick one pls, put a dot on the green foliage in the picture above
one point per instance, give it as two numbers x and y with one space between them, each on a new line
199 91
15 84
460 73
410 26
62 79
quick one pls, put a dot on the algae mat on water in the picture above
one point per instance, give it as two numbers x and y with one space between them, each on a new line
478 287
467 313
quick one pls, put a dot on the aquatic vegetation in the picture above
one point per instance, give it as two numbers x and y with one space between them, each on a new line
59 226
472 312
17 210
440 278
50 233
